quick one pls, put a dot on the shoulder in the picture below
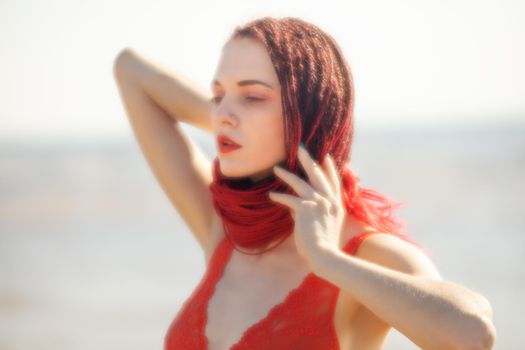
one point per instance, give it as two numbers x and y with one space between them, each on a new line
398 254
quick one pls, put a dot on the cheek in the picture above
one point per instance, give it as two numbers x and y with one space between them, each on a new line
279 136
263 125
277 131
269 134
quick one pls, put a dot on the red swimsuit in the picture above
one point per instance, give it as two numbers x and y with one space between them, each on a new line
304 320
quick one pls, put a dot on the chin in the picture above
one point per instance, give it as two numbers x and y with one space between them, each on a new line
230 169
238 172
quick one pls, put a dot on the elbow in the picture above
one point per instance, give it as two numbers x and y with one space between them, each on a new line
482 335
487 336
482 330
120 61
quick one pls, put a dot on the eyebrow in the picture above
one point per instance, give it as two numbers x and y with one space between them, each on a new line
246 82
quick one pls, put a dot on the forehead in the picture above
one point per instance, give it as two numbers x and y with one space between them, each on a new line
245 58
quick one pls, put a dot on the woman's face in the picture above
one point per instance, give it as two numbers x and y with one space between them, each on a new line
249 113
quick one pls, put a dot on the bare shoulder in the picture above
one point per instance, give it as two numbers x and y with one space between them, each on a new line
389 250
396 253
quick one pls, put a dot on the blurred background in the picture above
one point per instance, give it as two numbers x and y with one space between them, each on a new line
93 255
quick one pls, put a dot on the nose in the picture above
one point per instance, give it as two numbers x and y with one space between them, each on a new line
223 115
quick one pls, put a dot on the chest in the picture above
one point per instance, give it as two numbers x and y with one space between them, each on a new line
257 295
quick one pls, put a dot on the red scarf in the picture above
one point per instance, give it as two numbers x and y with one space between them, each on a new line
250 218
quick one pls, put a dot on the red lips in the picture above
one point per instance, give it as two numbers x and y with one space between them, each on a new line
225 144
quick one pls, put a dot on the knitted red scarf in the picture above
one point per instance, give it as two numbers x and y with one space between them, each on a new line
252 220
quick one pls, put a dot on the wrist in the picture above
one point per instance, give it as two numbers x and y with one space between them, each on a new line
325 258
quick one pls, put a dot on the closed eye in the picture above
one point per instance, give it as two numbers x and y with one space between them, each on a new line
217 99
254 99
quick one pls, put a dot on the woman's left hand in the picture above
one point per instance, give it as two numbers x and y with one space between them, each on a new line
318 211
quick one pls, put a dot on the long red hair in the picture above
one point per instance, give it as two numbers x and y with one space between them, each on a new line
318 104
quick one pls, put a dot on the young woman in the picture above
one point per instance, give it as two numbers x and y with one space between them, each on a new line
280 224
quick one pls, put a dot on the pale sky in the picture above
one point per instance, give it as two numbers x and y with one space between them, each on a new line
413 62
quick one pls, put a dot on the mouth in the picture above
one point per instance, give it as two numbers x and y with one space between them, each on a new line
226 145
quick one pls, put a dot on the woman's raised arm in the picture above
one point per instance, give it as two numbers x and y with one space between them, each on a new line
181 98
155 101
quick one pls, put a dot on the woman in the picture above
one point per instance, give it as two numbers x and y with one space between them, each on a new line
280 224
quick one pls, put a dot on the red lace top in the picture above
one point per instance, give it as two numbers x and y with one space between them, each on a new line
304 320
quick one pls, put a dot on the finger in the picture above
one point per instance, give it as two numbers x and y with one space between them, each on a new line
326 165
315 173
292 202
301 187
331 169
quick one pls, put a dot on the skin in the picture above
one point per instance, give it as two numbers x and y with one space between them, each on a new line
433 313
444 315
251 114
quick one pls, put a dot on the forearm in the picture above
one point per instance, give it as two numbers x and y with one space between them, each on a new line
434 314
179 97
